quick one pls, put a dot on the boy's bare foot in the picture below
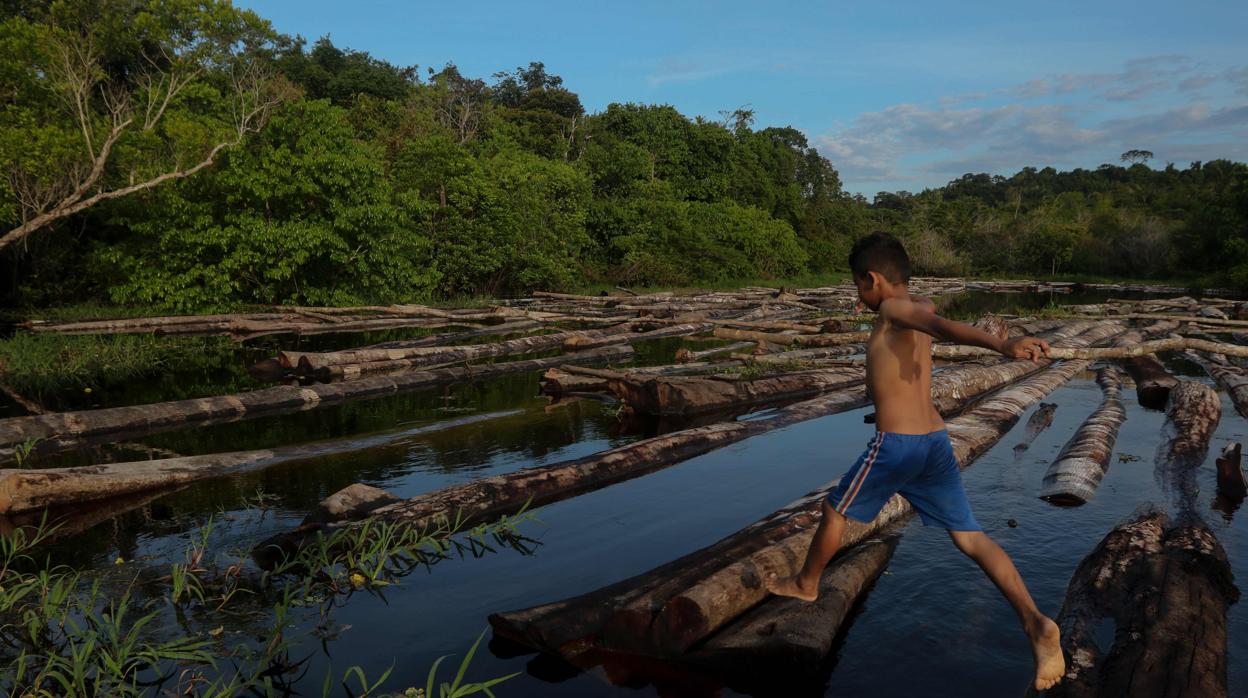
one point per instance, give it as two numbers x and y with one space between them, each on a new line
792 587
1047 646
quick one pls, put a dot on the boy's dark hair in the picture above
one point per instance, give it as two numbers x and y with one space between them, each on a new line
883 254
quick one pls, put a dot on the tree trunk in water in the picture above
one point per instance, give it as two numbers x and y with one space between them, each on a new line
62 431
808 340
662 395
429 356
23 489
1232 378
1167 593
1192 415
954 351
1073 477
1231 484
791 637
1152 381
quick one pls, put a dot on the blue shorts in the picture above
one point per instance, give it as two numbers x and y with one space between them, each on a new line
919 467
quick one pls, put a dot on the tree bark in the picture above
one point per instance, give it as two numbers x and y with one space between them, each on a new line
1073 477
1192 416
62 431
807 340
1231 484
1232 378
1167 593
665 395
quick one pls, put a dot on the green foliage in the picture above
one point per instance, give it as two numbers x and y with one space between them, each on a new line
302 215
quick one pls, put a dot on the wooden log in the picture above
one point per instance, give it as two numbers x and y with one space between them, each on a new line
1231 484
511 327
1193 319
668 395
429 356
1167 592
953 351
1232 378
713 600
1073 477
1039 420
796 355
1192 415
792 637
586 343
685 355
62 431
808 340
994 325
24 489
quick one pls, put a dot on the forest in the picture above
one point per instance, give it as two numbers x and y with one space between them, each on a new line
185 156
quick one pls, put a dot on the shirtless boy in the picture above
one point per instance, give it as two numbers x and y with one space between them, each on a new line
910 453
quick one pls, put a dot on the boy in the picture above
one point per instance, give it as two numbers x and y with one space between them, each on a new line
911 453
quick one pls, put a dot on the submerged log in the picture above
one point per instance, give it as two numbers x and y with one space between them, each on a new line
62 431
1167 593
792 636
1152 381
1039 420
1191 418
1073 477
664 395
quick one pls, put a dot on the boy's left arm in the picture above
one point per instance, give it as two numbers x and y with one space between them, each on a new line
918 315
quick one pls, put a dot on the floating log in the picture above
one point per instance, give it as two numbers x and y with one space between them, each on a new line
994 325
62 431
584 343
797 355
793 636
1073 477
1039 420
667 395
1231 484
1232 378
953 351
430 356
685 355
23 489
1192 415
250 325
808 340
1152 381
445 338
626 614
1167 593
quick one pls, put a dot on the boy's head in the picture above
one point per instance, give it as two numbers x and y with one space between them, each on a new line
880 265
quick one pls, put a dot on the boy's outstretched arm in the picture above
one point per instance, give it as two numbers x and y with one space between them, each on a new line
919 316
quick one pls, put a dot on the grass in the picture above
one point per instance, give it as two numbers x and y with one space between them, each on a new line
41 364
141 629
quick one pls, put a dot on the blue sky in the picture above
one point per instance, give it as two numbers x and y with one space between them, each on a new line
899 95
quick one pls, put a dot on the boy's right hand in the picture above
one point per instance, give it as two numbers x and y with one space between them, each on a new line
1031 348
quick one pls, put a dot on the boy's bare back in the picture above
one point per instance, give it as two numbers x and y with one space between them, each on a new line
899 372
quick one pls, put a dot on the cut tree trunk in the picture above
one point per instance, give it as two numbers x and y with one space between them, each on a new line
685 355
62 431
665 395
1192 415
791 637
1073 477
430 356
24 489
1167 592
1232 378
808 340
1152 381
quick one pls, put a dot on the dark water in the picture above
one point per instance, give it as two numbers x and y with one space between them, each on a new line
933 619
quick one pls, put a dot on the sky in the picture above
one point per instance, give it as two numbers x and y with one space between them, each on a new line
898 95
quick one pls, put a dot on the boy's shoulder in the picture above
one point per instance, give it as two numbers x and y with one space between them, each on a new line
893 307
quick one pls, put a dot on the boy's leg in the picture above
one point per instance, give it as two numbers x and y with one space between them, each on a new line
1041 630
805 584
